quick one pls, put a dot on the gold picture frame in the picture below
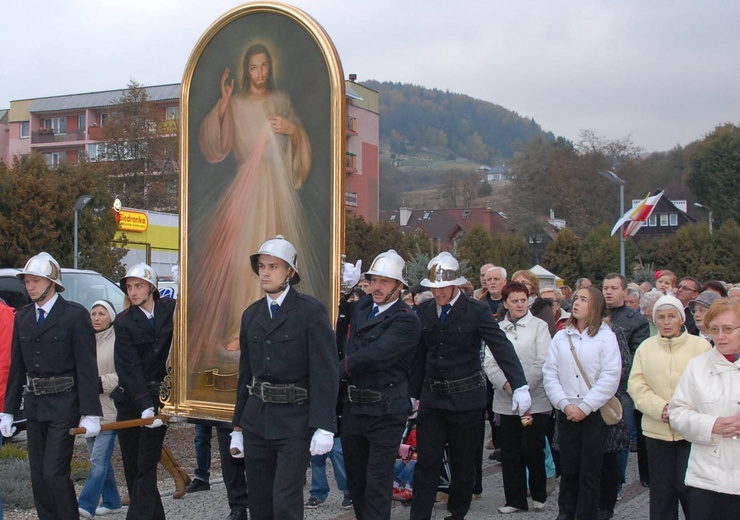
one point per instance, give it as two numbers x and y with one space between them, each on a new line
254 163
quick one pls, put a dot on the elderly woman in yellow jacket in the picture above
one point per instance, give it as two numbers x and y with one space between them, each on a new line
658 365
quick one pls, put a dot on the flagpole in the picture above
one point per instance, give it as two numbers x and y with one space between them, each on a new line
611 176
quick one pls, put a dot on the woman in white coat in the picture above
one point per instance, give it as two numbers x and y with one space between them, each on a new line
101 481
522 441
705 411
582 432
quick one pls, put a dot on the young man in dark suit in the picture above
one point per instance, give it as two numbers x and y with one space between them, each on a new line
383 333
53 356
288 384
143 340
448 380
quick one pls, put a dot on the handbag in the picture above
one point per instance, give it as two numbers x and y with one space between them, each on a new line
611 412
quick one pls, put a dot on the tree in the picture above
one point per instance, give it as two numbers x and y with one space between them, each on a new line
36 214
141 153
477 247
715 172
563 256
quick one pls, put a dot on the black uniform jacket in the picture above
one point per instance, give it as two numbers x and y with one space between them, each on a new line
379 354
634 325
453 351
64 345
296 347
141 355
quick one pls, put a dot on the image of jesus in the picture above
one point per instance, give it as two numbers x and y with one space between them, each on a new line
260 127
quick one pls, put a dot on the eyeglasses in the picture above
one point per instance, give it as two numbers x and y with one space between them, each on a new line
725 329
686 288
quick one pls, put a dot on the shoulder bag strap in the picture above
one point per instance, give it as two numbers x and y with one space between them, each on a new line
573 351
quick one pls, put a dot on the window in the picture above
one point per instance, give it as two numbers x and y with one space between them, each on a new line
350 199
25 129
673 219
393 217
57 124
81 122
653 221
351 160
103 119
172 112
663 219
96 152
352 124
427 215
466 214
54 158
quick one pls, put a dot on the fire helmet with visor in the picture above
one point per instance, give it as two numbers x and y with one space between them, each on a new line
388 264
145 272
280 248
44 265
444 270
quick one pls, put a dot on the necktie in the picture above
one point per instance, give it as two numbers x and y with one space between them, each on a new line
41 317
274 307
373 312
443 314
151 321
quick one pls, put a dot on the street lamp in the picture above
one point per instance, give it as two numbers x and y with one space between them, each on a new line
612 177
710 214
82 201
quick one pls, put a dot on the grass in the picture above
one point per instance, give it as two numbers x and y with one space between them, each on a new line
15 478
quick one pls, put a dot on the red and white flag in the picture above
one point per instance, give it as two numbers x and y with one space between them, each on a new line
638 215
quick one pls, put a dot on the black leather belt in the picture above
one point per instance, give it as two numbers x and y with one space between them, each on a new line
49 385
457 386
278 393
367 396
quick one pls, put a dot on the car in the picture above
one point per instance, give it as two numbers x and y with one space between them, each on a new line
80 285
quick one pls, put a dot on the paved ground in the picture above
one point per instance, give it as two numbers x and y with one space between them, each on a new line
212 504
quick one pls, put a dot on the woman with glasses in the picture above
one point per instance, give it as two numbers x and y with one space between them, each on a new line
658 364
704 410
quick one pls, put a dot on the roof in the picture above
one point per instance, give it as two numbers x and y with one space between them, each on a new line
101 99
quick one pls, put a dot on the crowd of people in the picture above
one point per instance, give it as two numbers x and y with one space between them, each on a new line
402 391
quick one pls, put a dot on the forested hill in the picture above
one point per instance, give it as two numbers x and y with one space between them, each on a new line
414 117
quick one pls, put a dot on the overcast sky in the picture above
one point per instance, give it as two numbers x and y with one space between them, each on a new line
665 72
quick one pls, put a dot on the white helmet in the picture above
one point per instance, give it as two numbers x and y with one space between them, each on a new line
444 270
280 248
388 264
44 265
143 271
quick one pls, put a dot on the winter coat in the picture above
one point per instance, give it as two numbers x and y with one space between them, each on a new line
105 341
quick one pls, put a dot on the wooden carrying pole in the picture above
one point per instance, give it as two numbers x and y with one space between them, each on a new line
120 425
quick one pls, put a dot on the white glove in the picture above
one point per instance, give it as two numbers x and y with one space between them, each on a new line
321 442
148 414
237 445
91 424
351 274
521 400
6 424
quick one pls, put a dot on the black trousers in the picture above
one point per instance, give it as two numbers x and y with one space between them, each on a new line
276 471
523 448
232 470
141 449
668 461
50 448
370 445
436 428
609 485
581 455
643 467
711 505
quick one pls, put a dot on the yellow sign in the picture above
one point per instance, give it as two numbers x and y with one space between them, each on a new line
133 221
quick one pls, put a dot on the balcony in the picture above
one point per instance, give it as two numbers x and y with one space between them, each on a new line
167 126
351 128
47 136
95 133
350 163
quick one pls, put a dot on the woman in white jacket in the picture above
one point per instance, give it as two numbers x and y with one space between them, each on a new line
705 410
101 481
581 430
522 441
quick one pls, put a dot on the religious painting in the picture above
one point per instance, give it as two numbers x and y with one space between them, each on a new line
262 136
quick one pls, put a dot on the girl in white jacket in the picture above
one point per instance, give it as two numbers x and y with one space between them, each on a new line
581 430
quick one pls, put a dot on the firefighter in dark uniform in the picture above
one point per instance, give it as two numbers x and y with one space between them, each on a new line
288 385
383 333
143 340
447 378
53 357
